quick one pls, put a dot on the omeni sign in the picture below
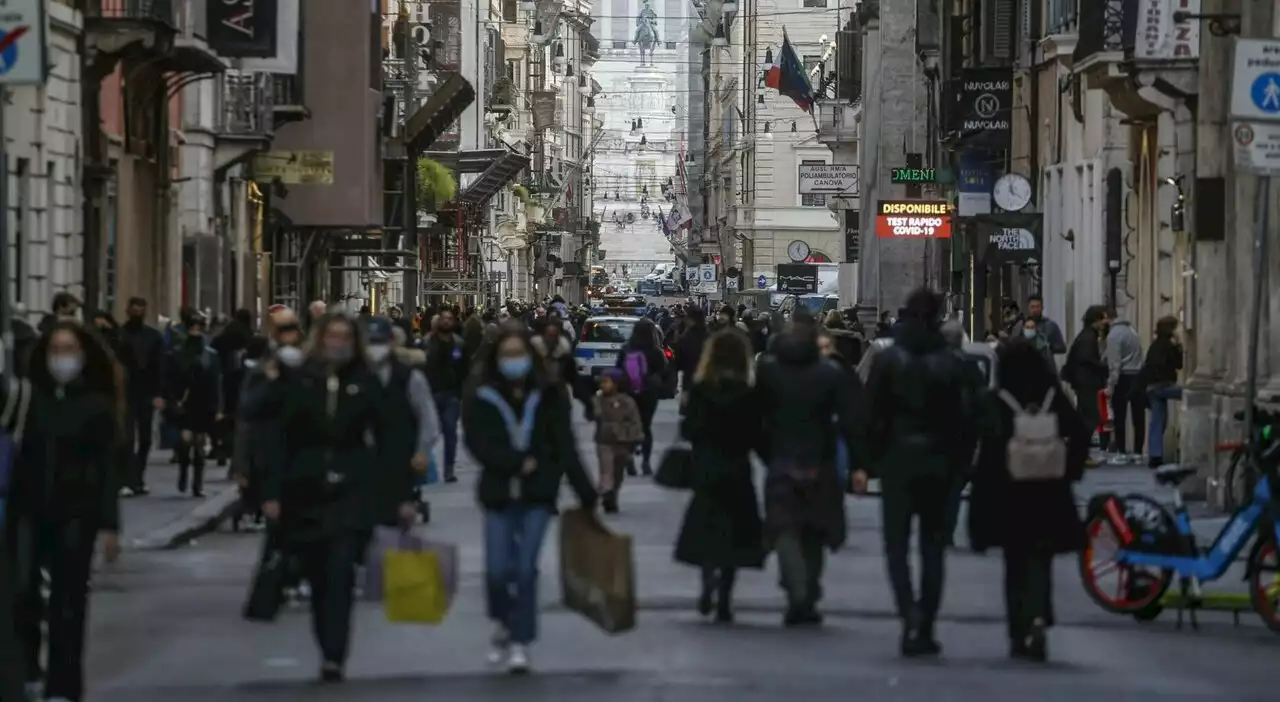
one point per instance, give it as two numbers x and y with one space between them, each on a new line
913 219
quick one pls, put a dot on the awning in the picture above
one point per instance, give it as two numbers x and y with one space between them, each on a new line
503 170
452 96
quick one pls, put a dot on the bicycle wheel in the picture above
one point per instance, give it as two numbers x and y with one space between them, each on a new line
1237 482
1264 581
1137 589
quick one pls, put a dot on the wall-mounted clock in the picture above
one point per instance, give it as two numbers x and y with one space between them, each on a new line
798 251
1012 192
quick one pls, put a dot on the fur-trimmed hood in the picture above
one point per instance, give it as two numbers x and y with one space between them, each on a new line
563 347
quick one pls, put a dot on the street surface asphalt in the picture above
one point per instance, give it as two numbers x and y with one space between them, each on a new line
166 626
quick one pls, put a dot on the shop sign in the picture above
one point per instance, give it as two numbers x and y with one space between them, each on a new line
797 278
987 104
913 219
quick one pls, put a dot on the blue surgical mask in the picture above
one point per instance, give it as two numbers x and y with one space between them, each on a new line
515 368
1029 333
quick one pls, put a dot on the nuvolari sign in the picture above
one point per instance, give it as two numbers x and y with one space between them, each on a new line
913 219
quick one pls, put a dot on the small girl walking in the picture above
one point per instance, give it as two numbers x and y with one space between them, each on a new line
619 430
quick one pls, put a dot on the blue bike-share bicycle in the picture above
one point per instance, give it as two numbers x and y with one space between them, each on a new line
1143 544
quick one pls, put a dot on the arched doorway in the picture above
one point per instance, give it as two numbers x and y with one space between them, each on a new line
817 257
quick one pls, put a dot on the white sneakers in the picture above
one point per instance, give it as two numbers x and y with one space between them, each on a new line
499 645
501 650
518 659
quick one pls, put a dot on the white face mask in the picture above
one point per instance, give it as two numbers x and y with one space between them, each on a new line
291 356
378 353
65 369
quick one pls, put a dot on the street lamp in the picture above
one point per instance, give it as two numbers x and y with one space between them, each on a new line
584 88
719 39
729 6
538 35
528 5
559 59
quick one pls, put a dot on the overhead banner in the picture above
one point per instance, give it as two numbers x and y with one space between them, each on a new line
852 236
1012 237
987 105
797 278
913 219
242 28
974 185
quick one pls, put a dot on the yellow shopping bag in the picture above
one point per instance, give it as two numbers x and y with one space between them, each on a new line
414 589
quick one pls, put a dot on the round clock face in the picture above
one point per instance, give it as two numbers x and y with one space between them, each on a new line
1012 192
797 250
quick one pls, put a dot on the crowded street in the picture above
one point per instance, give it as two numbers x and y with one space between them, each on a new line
165 626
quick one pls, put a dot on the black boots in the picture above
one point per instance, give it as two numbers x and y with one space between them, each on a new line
806 614
1032 645
191 461
917 638
609 501
717 594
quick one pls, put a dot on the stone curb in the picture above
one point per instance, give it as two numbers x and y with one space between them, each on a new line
202 519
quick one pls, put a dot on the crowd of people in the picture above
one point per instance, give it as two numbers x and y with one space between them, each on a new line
329 423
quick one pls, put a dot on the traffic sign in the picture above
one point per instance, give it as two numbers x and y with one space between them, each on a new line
762 283
707 273
1257 147
23 54
731 284
1255 80
691 273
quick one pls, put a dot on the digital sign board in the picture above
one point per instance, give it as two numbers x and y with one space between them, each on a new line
913 219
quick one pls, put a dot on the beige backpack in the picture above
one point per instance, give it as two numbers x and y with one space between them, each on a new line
1035 451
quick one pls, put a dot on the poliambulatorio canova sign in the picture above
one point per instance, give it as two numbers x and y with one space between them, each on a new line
913 219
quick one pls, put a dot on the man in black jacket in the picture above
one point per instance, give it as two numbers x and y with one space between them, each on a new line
921 438
448 364
807 402
143 358
688 351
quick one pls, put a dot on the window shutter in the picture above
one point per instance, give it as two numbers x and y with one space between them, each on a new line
998 30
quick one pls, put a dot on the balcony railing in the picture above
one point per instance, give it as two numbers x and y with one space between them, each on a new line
248 101
1106 27
838 121
162 11
286 91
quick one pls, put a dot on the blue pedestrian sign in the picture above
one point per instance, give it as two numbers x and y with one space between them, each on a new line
22 43
1265 92
761 283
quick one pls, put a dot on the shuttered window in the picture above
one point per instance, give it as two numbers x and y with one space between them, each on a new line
998 33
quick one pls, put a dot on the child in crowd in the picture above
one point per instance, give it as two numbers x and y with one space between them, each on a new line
618 431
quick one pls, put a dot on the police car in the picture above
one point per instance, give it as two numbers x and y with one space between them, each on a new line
601 340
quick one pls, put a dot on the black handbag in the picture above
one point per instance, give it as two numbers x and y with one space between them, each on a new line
266 592
675 471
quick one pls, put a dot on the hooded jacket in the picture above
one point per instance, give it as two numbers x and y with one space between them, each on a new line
1124 351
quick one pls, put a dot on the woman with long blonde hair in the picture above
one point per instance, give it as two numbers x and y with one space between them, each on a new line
722 530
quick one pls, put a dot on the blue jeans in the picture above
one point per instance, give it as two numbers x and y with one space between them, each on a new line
512 541
448 407
1159 398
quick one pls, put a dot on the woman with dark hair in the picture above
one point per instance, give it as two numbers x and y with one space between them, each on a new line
1032 521
644 364
326 485
722 530
519 484
1085 370
62 495
1160 376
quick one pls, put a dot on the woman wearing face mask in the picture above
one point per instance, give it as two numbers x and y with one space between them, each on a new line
62 495
1031 333
194 401
519 480
327 483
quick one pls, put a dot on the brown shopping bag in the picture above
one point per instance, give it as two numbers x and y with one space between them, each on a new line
597 572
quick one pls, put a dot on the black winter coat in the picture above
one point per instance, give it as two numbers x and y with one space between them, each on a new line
807 401
722 526
66 468
688 352
325 464
922 409
553 448
1027 516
